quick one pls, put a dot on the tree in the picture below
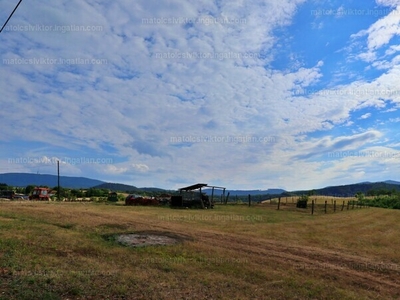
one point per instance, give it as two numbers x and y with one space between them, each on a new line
29 189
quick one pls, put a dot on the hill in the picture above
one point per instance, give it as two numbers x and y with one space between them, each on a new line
350 190
117 187
25 179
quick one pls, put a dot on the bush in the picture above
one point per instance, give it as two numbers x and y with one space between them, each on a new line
302 202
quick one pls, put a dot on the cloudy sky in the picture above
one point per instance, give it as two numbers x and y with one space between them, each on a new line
246 94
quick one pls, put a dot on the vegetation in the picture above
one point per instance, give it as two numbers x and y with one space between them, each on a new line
53 250
385 201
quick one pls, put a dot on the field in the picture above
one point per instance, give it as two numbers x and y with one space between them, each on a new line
52 250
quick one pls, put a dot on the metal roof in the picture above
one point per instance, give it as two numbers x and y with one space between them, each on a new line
198 186
193 187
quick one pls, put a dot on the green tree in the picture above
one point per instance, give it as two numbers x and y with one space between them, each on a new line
29 189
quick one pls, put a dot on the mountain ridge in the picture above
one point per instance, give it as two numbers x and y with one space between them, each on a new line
25 179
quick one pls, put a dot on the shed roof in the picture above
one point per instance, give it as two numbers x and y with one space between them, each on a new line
193 187
199 186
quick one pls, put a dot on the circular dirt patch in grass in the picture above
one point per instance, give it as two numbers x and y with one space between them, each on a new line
144 238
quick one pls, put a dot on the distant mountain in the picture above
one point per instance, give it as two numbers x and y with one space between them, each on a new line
218 192
392 182
25 179
117 187
350 190
154 190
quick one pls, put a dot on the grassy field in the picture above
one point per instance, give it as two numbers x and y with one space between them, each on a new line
64 251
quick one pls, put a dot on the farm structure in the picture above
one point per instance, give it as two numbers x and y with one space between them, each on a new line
7 194
193 197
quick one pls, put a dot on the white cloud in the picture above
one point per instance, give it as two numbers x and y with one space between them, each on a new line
380 33
365 116
144 94
392 3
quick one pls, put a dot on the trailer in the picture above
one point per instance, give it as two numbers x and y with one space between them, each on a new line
7 194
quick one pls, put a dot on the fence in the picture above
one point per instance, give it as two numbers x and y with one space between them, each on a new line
316 206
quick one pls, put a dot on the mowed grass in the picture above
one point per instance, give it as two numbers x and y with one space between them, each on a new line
63 251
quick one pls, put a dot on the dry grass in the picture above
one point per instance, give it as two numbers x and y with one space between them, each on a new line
62 251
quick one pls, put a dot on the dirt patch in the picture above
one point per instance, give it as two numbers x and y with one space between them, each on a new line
148 238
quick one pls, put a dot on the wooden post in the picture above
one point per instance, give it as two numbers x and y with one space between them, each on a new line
334 206
227 197
348 203
249 200
279 202
201 200
223 196
326 204
312 207
343 206
58 180
353 204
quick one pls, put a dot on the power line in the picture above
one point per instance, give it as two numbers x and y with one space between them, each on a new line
10 16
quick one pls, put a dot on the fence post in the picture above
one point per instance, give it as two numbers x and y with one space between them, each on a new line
326 204
249 200
353 204
312 207
334 206
279 202
343 206
348 203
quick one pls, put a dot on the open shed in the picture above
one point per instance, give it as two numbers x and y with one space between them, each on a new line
193 196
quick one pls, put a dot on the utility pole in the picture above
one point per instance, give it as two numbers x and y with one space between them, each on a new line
58 180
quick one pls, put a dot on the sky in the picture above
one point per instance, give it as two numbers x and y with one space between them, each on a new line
253 94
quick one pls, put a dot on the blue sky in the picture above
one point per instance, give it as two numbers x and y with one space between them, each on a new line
255 94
